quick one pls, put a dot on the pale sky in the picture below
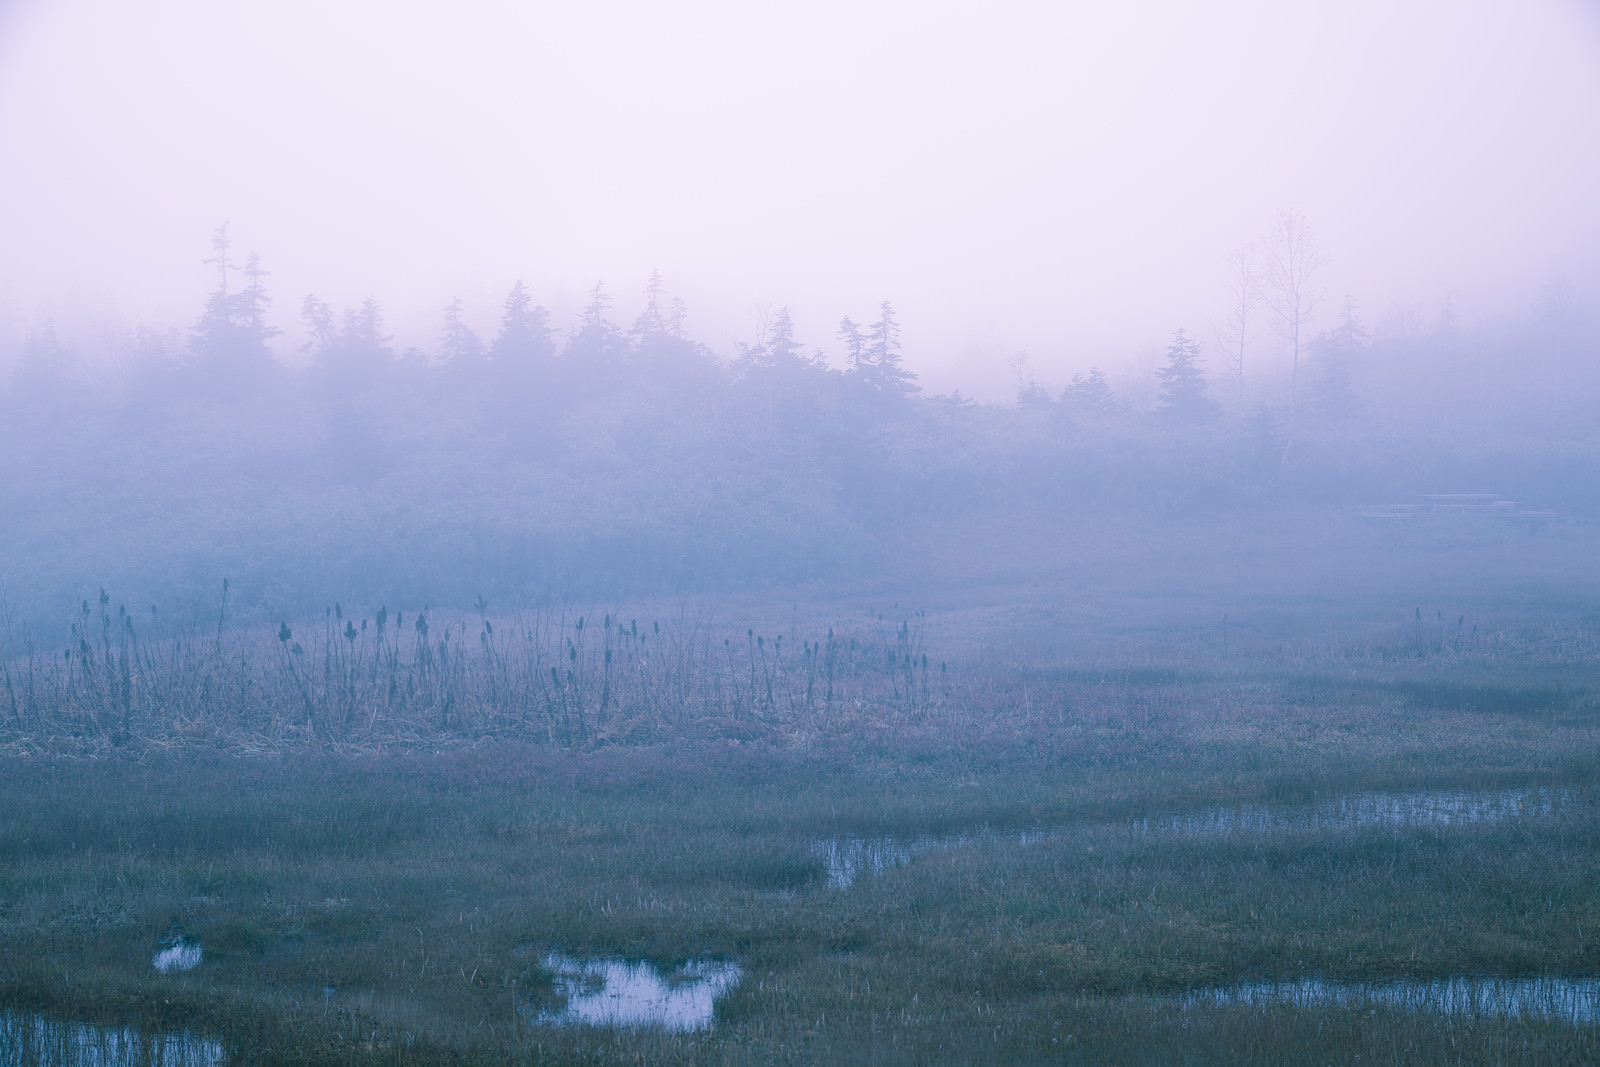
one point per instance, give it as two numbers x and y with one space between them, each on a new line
1064 178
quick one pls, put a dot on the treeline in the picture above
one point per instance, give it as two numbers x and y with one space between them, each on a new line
624 459
524 374
1533 376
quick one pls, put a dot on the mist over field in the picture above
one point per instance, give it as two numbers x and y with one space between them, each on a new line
378 305
758 532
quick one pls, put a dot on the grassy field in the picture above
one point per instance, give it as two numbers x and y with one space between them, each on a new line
395 903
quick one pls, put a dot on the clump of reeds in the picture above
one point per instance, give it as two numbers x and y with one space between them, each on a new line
549 675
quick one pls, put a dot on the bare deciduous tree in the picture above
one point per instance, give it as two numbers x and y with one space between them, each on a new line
1244 287
1292 264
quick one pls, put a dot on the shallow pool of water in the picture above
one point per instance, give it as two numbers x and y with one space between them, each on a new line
1571 1000
28 1040
618 992
1367 811
847 859
177 956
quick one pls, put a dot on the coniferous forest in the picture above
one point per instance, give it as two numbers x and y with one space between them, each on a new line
622 457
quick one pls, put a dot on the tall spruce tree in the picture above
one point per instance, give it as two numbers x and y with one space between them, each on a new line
228 344
1333 394
1183 385
1090 395
652 321
523 349
355 355
596 353
459 346
875 358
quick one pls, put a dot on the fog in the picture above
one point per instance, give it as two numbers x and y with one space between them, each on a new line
547 301
819 533
1061 180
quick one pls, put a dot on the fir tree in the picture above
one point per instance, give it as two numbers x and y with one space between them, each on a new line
854 344
664 360
317 315
354 355
779 363
1333 392
460 346
776 350
1090 395
596 352
875 359
651 323
523 344
362 338
228 345
1030 394
1183 386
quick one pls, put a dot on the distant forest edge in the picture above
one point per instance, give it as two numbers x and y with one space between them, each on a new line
622 460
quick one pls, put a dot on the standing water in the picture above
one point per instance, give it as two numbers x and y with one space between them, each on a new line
1368 811
1571 1000
181 956
617 992
848 858
37 1041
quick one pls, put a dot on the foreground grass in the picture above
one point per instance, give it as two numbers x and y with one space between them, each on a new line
394 906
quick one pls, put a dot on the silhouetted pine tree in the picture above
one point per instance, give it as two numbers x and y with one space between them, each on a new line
228 345
521 363
354 357
1183 386
596 353
776 351
651 323
855 344
1333 394
664 360
1090 395
1030 394
524 338
875 359
459 347
784 393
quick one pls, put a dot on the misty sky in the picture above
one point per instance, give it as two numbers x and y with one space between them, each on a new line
1061 178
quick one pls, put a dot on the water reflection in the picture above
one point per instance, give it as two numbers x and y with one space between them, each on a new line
617 992
37 1041
1571 1000
848 858
177 956
1363 811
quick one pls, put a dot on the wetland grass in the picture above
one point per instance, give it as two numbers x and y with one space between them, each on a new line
389 903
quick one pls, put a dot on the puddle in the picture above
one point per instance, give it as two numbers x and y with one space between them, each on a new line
178 956
37 1041
1571 1000
1366 811
617 992
849 858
